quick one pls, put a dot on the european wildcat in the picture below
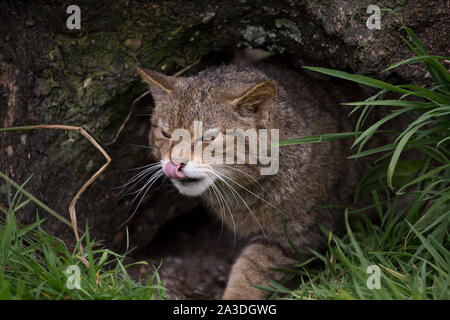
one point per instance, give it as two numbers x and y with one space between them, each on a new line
309 175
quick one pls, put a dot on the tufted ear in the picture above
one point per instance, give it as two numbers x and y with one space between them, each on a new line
159 84
257 101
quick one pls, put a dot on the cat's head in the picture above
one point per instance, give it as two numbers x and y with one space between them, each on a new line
196 118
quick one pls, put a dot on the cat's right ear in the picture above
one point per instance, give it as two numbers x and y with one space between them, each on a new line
257 101
159 84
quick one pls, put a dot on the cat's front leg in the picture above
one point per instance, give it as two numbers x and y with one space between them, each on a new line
253 267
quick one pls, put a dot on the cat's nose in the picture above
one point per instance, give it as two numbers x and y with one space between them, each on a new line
174 171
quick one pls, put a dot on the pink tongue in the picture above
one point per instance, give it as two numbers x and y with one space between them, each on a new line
172 170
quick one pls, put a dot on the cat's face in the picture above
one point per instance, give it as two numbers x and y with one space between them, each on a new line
192 122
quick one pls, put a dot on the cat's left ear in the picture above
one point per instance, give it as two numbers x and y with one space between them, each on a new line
159 83
257 101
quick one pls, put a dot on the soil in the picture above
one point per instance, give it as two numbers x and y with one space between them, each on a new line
196 255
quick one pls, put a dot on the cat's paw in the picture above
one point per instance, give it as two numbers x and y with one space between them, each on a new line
244 292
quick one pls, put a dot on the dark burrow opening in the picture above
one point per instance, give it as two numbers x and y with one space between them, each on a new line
195 253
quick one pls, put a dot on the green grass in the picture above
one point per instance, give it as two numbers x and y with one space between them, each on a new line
33 264
410 245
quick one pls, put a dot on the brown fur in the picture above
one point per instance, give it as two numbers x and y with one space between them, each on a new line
309 175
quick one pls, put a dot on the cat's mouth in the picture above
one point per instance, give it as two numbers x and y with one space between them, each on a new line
192 186
188 181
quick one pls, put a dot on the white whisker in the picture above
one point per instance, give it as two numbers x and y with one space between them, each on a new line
154 177
251 192
245 173
217 188
245 203
222 210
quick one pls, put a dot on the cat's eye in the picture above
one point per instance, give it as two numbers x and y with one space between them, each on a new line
210 135
165 134
208 138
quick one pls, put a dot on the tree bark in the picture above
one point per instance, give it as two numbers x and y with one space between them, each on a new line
50 74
